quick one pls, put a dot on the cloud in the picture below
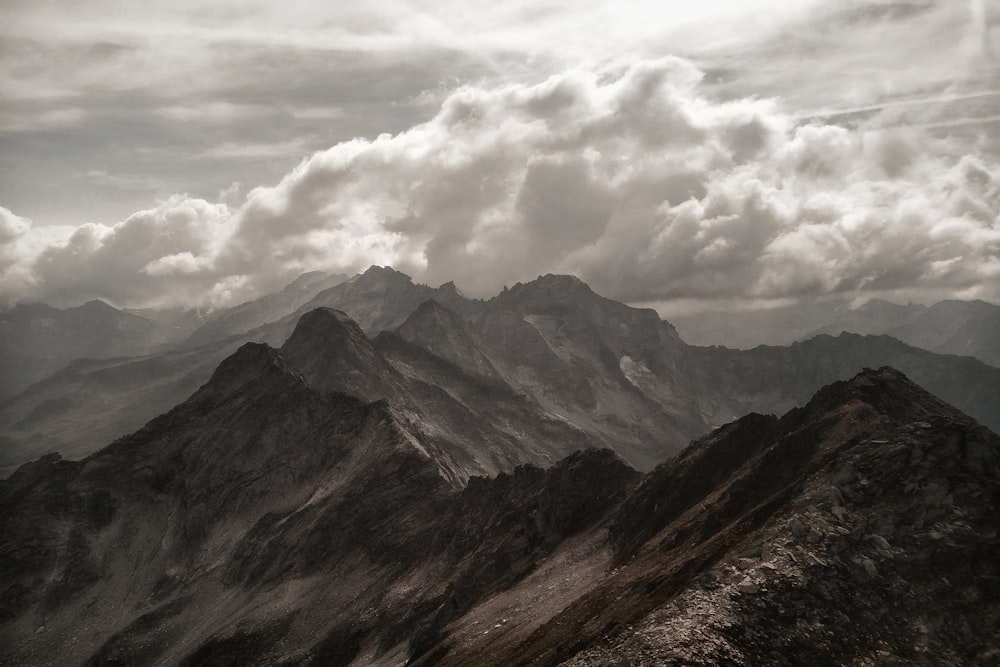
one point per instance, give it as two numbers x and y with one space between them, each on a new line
149 258
629 177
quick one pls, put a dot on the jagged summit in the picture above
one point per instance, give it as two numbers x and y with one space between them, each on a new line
550 288
332 352
450 288
443 332
383 277
248 362
887 390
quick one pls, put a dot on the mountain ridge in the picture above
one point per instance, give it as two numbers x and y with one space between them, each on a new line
552 349
264 520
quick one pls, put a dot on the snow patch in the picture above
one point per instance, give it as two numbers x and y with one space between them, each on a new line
632 370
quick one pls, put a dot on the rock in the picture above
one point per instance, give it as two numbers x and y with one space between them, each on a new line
844 475
881 543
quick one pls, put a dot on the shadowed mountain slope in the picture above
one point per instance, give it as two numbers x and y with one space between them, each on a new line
859 529
264 521
262 509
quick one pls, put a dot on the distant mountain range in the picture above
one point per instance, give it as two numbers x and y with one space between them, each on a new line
970 328
543 369
37 340
271 519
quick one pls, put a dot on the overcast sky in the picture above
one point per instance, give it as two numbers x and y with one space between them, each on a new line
193 153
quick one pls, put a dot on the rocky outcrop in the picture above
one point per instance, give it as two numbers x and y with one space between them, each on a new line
855 530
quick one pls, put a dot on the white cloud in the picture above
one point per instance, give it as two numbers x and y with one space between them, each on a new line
628 177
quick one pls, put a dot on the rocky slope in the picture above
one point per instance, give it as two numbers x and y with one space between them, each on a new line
264 521
91 402
860 529
483 425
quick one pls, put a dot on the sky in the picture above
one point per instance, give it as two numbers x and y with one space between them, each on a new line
201 154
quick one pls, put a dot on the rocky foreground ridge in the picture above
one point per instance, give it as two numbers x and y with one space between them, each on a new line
273 519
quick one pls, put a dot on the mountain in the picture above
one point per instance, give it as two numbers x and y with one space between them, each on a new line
263 521
381 298
261 509
873 317
775 379
859 529
967 328
614 371
37 340
970 328
443 332
91 402
747 328
482 425
540 370
258 312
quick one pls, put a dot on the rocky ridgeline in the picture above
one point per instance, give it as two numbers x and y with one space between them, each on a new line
274 519
574 369
887 555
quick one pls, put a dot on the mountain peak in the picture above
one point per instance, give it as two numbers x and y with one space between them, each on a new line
249 360
560 281
324 328
98 305
383 276
441 331
450 288
333 353
548 288
324 320
886 390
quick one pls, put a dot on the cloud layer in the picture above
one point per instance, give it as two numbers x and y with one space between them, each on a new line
628 177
